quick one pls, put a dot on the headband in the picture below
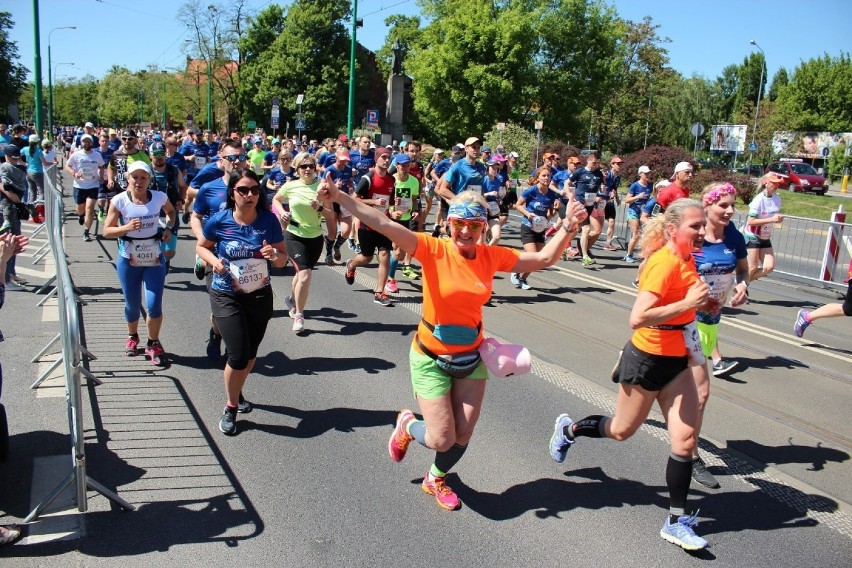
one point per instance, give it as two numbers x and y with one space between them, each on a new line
469 210
717 193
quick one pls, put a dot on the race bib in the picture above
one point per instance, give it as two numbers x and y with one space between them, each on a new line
493 208
539 224
403 204
590 198
89 171
600 205
200 161
720 286
144 252
512 184
249 274
475 188
381 202
501 193
693 345
765 231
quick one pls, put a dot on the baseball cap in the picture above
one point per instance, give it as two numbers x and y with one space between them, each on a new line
403 144
492 162
382 152
486 148
616 160
158 149
438 151
389 147
472 140
343 138
772 177
138 165
458 148
33 139
682 167
499 158
513 155
11 150
343 156
500 150
644 170
89 125
403 159
574 160
276 141
128 133
662 183
87 136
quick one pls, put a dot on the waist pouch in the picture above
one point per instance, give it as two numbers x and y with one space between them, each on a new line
457 365
454 334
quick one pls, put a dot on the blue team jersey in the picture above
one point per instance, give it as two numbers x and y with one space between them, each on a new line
560 177
206 174
211 198
649 206
105 154
442 167
362 164
270 158
637 188
346 176
490 186
177 161
327 159
201 152
236 242
463 175
537 203
716 264
586 182
114 144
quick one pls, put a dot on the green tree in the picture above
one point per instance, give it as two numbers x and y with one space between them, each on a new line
683 102
261 33
749 84
515 138
779 81
818 95
75 101
12 73
119 96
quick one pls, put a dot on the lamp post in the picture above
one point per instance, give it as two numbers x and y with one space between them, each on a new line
50 80
356 22
757 109
213 14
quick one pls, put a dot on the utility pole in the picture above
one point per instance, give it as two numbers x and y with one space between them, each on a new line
37 62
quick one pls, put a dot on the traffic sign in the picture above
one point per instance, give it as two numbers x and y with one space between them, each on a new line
373 119
752 147
501 126
697 129
275 112
539 124
299 116
300 125
252 124
274 122
275 101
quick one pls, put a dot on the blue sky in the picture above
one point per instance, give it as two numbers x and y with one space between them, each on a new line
706 36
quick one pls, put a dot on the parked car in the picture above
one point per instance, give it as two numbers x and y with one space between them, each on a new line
800 176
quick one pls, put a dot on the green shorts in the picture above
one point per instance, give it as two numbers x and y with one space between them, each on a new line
709 335
428 381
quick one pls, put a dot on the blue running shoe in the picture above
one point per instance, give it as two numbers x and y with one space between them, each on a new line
559 443
515 279
802 323
681 533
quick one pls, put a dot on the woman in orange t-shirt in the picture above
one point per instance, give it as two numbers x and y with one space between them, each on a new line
457 278
655 364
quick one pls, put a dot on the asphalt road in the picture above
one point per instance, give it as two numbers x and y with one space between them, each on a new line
307 481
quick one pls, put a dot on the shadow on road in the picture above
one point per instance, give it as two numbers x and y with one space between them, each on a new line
817 456
313 423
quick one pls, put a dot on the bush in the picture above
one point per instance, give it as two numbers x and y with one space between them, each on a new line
515 138
661 160
746 187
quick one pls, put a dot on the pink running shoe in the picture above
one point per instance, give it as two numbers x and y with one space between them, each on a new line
445 496
551 230
390 286
155 352
399 440
572 252
131 345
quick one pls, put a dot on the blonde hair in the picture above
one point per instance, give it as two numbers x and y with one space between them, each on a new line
301 157
654 236
469 196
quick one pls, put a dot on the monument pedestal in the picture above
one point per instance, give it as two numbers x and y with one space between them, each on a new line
394 127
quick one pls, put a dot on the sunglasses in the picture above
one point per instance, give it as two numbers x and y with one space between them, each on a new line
233 158
460 224
159 154
307 166
245 190
126 138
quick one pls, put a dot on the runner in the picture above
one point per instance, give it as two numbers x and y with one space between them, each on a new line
301 213
536 204
494 191
247 239
655 362
721 259
405 211
511 171
763 213
612 181
167 178
133 219
86 166
587 190
439 170
466 173
806 317
342 174
679 188
637 196
105 194
457 277
375 189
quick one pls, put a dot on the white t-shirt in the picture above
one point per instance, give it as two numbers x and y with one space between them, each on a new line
148 214
763 207
90 164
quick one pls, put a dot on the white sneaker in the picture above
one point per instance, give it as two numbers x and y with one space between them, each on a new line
298 322
291 306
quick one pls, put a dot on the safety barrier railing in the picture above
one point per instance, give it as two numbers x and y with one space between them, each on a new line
71 357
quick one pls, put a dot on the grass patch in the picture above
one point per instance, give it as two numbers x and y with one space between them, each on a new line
807 205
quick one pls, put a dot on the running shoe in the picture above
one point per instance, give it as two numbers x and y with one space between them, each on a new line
802 322
702 476
635 283
329 261
399 440
351 244
524 285
244 406
515 279
572 252
199 268
610 246
559 442
409 272
337 255
382 299
214 345
445 496
18 280
681 533
629 258
228 422
551 230
12 285
291 306
156 352
87 238
391 286
101 215
436 231
357 249
350 273
299 323
588 261
723 366
185 218
131 345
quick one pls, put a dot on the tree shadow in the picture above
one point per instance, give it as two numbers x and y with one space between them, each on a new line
817 456
313 423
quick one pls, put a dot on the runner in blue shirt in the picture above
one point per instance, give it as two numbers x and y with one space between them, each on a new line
612 181
362 159
637 197
465 174
588 184
494 190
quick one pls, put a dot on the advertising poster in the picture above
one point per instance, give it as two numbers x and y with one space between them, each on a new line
808 145
728 138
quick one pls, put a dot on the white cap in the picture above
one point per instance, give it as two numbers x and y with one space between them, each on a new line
682 167
89 136
662 183
138 165
89 125
513 155
644 170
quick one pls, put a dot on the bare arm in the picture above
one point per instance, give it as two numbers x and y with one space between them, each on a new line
532 261
646 312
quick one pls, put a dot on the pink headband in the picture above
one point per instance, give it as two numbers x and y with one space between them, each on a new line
717 193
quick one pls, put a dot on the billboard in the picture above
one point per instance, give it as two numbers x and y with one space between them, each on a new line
728 138
808 145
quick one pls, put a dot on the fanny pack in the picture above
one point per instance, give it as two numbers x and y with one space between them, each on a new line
665 327
454 334
457 365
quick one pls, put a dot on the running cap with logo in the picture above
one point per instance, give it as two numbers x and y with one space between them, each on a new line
438 151
458 148
89 125
644 170
513 155
158 149
128 133
87 137
486 149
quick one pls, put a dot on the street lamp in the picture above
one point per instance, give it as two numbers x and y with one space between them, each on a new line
50 80
356 23
757 109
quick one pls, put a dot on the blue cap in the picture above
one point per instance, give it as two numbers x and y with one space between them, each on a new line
485 149
157 137
403 159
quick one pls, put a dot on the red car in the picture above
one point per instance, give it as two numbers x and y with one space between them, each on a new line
800 176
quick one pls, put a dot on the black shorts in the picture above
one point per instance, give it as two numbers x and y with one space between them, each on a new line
528 236
588 219
106 193
81 195
758 244
242 321
371 240
609 210
304 253
651 372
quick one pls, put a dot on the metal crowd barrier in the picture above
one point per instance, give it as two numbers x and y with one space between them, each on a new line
72 358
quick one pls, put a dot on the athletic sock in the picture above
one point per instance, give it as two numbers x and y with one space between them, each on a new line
678 478
338 242
328 244
444 461
590 426
393 265
417 429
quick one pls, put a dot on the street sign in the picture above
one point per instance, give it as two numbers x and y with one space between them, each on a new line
539 124
300 99
373 119
252 124
299 116
752 147
275 101
274 122
275 112
300 125
501 126
697 129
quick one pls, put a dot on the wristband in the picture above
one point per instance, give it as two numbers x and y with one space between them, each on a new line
568 230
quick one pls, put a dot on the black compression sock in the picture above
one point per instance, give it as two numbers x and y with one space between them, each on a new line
590 426
445 461
678 478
